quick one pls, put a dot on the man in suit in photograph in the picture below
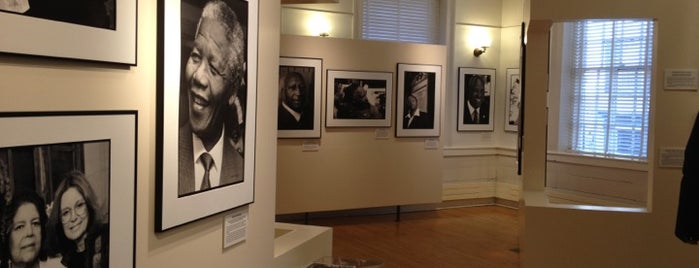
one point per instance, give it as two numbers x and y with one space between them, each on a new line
294 110
418 90
209 151
477 105
416 118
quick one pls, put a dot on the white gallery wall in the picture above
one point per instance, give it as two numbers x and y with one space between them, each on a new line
43 84
573 236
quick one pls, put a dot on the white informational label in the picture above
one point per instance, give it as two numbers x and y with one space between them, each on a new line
671 157
431 143
382 133
311 145
235 227
681 79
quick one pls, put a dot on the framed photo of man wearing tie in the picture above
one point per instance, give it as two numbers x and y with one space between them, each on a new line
476 90
206 109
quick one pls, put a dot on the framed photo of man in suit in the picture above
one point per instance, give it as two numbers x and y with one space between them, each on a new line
206 109
298 112
419 98
476 90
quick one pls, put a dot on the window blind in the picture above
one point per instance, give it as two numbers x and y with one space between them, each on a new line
414 21
611 87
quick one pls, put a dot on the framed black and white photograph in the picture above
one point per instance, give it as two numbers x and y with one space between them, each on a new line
99 30
206 105
514 99
358 99
419 99
299 97
476 90
69 179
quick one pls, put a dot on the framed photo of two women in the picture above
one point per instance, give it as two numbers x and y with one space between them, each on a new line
206 103
68 188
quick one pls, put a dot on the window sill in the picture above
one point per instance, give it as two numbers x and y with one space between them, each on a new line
569 158
541 199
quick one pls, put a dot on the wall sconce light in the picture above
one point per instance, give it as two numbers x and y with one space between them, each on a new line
319 25
480 38
479 50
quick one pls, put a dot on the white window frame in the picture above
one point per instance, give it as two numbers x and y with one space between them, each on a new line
571 123
609 180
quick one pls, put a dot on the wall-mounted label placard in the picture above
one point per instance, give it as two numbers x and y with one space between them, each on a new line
235 227
681 79
310 145
671 157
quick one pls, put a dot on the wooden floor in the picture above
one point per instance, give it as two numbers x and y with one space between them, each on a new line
483 236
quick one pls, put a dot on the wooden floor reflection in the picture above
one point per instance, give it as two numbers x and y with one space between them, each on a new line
484 236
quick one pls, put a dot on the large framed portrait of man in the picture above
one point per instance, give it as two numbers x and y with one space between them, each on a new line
70 185
206 108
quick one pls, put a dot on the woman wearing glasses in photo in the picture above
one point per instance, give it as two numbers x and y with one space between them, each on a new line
79 233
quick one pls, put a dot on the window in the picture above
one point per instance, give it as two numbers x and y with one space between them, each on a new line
401 20
609 88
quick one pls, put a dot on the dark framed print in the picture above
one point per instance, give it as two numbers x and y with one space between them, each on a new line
299 97
102 30
358 99
476 90
206 102
514 99
73 176
419 99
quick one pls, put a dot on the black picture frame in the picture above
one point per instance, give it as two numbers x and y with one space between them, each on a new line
97 146
179 198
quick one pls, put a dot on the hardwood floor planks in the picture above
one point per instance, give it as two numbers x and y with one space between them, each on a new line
483 236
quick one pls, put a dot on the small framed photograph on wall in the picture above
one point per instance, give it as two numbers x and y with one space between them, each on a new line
298 112
514 95
419 98
358 99
476 90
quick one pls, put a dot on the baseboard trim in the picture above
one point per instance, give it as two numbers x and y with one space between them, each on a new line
473 202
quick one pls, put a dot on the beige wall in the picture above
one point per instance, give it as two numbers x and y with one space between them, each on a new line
567 237
472 164
40 84
352 168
